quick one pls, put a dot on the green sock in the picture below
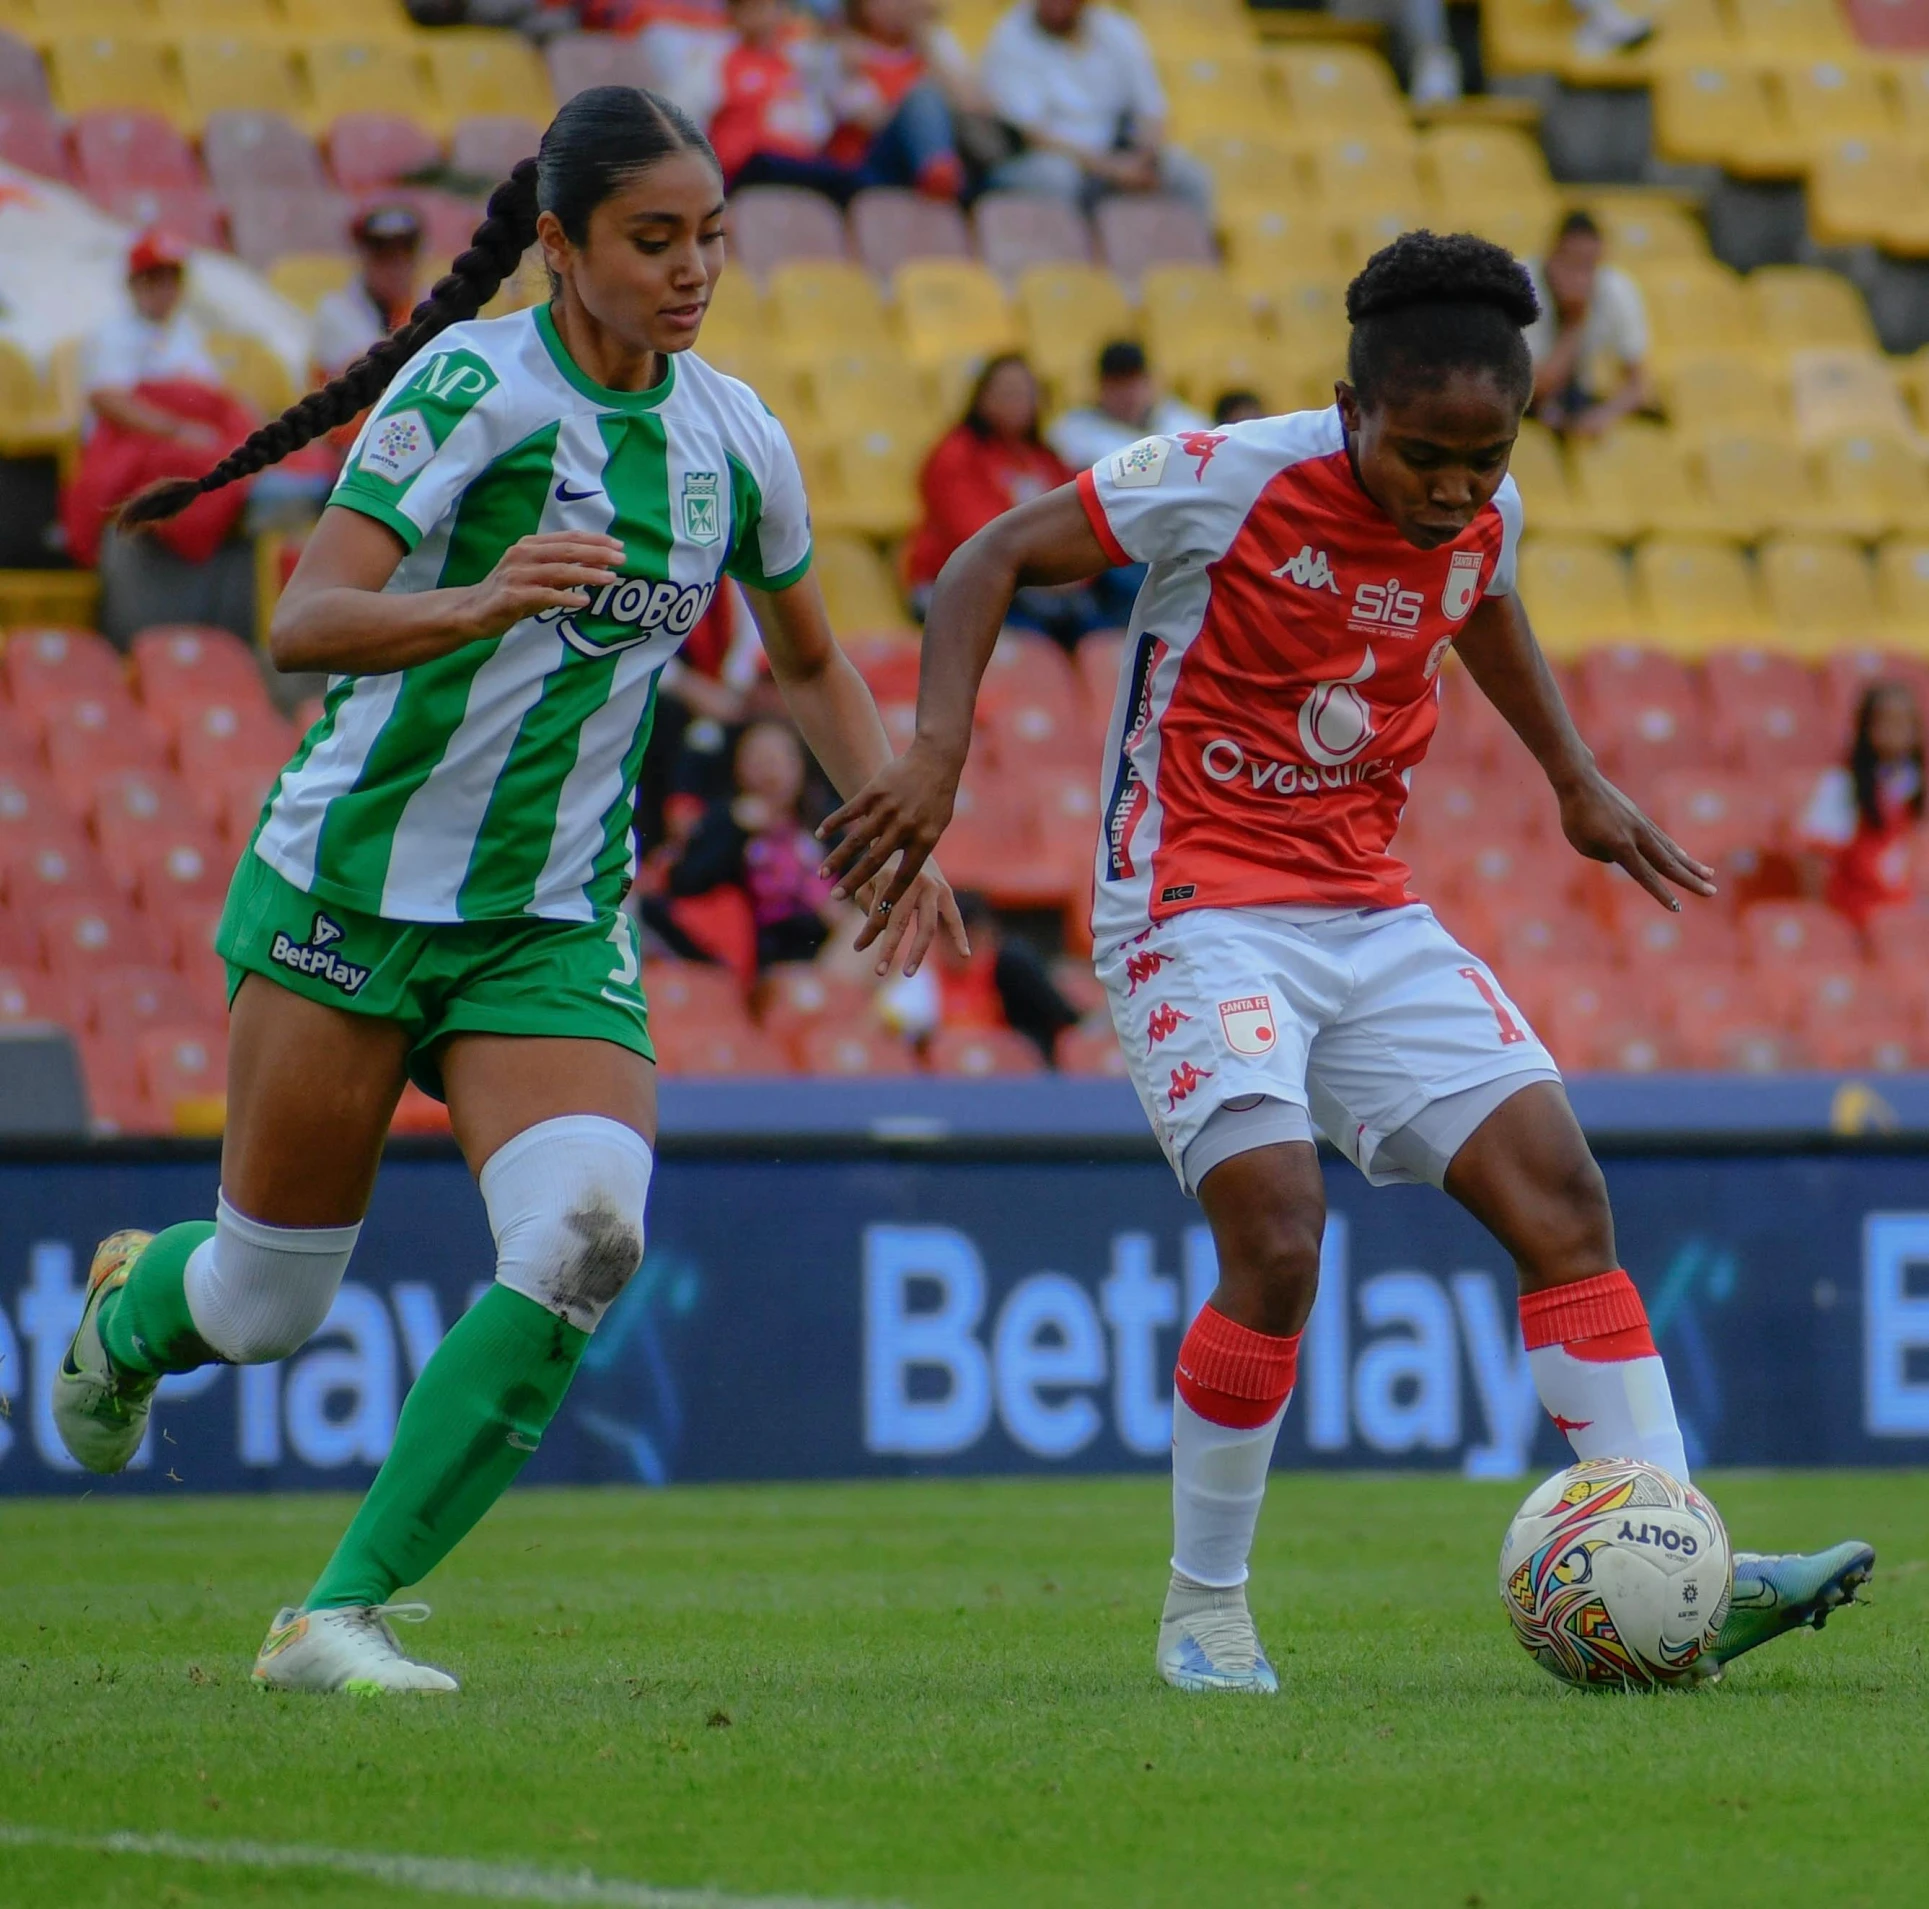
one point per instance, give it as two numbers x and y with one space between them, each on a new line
470 1421
146 1326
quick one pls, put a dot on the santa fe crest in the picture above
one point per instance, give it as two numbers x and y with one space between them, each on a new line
1248 1024
1463 584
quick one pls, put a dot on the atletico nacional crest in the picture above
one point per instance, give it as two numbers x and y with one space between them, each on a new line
700 521
1463 584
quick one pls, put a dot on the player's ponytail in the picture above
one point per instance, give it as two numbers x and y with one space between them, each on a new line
601 138
1432 303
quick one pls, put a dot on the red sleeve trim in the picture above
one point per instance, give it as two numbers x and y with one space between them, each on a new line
1101 527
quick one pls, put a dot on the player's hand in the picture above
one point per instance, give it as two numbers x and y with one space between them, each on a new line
901 811
553 570
1605 826
909 927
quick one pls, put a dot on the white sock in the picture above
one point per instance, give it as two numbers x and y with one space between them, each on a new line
1612 1408
1218 1485
257 1292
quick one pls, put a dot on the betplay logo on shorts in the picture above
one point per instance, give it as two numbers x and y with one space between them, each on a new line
317 956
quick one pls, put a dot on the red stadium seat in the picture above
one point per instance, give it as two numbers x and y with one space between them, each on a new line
31 994
1139 230
23 79
1017 229
1857 1046
852 1052
698 1050
1618 673
1738 678
137 798
1783 931
1650 939
187 662
268 222
1761 737
1455 804
1640 738
1622 1047
1719 817
1847 674
692 990
245 151
121 1004
127 146
90 740
180 929
1092 1047
489 147
117 1101
84 935
30 136
181 1063
891 225
30 805
770 225
1065 800
1745 1049
979 1053
369 150
1809 996
449 220
205 736
797 996
1470 730
192 213
578 61
1897 938
1533 930
44 668
1097 662
37 871
1568 997
186 864
231 798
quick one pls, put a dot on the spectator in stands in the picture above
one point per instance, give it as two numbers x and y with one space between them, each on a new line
783 87
1130 406
388 249
1433 64
1590 343
1076 81
990 461
895 57
1862 830
1238 407
158 338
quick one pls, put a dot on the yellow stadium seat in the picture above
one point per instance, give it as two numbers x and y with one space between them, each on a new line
1912 374
1265 246
1309 319
1576 593
1361 230
33 419
1697 594
1525 36
1909 79
361 20
1871 485
237 74
1644 229
364 76
1363 172
1208 95
252 372
103 18
1724 116
952 308
871 482
1827 100
480 71
1539 467
306 278
1634 480
1180 301
972 21
1249 174
1723 391
254 19
1870 191
1526 229
1819 592
779 385
1902 593
1754 482
1203 369
1066 314
858 389
859 591
88 71
1803 305
1342 88
736 314
1695 307
1784 29
822 305
1836 393
1475 168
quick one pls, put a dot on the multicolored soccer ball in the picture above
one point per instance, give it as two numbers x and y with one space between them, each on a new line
1616 1575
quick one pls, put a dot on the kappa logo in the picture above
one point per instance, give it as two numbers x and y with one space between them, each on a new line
702 522
1140 968
1166 1021
1184 1082
1309 570
1201 445
1248 1024
1140 466
317 956
1457 594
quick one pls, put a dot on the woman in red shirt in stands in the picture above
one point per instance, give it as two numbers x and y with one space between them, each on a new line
1863 823
992 460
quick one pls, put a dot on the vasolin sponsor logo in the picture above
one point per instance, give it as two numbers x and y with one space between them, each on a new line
1310 570
1225 761
316 956
630 612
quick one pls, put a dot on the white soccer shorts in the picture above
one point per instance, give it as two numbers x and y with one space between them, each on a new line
1359 1021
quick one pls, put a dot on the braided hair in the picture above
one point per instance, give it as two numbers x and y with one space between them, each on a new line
599 141
1430 304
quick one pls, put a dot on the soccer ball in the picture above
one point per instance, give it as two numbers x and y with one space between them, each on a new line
1615 1574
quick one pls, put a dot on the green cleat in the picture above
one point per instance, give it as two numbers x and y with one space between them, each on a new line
100 1412
1779 1592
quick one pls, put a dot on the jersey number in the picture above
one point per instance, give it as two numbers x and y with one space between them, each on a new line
1510 1029
623 940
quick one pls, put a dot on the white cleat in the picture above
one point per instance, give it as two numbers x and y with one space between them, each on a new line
1207 1641
349 1647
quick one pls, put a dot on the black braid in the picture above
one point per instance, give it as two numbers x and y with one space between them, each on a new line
505 234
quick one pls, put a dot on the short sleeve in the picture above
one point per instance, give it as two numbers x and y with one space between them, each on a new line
1148 96
1507 564
435 432
770 516
1627 327
1160 499
1013 83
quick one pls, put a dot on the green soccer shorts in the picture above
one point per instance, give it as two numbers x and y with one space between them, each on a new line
524 975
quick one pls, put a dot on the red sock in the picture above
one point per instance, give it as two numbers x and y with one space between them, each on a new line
1231 1375
1600 1319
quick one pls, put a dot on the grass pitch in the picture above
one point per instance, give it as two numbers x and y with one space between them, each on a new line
942 1694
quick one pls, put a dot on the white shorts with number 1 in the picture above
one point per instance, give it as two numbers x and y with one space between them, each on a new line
1364 1018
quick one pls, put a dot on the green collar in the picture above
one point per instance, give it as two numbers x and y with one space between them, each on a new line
601 394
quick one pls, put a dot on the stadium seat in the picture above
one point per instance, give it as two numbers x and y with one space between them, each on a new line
1249 174
1208 94
1799 306
686 1050
244 150
31 994
490 145
45 668
1761 738
23 79
234 73
1697 594
859 591
1066 313
1902 592
1722 391
116 1101
852 1053
1632 480
176 661
1091 1049
1726 116
269 224
950 308
1819 592
180 1065
120 1004
1871 486
128 146
1576 591
1744 1049
1862 191
101 70
30 138
480 74
1270 244
363 76
1138 231
1476 172
578 61
1656 944
258 19
891 225
980 1053
1644 229
871 482
693 990
191 213
36 872
1336 88
1790 29
1017 229
1873 1046
1753 482
771 226
823 305
1810 996
1695 307
1784 931
1309 318
367 21
89 933
367 151
306 278
1827 100
1720 817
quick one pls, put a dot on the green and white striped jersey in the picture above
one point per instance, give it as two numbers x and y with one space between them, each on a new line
498 780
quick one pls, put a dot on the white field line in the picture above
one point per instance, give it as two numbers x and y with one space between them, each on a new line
432 1875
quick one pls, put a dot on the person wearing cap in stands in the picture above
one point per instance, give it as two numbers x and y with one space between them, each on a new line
1130 406
157 339
388 248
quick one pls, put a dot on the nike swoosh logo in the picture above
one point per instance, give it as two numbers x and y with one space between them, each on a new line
564 495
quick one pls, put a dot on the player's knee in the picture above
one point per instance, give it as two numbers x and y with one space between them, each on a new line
566 1200
257 1293
1273 1271
1576 1230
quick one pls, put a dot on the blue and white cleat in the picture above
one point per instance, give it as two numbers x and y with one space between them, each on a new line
1777 1592
1207 1641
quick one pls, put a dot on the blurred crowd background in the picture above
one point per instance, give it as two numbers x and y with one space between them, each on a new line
976 246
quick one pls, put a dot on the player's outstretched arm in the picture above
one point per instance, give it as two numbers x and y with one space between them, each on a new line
335 615
905 808
837 716
1497 645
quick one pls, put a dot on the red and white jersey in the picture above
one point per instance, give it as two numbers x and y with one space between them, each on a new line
1280 681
